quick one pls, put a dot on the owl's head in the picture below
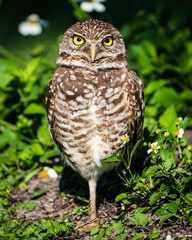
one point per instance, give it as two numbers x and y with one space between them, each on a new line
92 44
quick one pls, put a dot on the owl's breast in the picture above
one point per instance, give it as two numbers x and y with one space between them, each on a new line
91 115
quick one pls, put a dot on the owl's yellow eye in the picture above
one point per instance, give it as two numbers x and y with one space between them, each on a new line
108 41
78 40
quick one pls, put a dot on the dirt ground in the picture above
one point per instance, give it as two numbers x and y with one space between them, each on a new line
52 204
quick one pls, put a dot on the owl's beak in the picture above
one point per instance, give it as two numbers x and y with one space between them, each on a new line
93 52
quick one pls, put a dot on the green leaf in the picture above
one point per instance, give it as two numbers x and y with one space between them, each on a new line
34 108
166 96
112 159
29 230
187 153
118 227
5 80
7 136
173 207
49 154
30 206
122 236
165 217
44 135
138 236
186 95
32 66
6 65
4 201
143 58
139 219
168 158
151 111
170 161
29 176
185 122
58 168
109 230
37 149
151 49
101 233
154 197
168 119
39 193
154 235
164 154
94 231
120 197
151 170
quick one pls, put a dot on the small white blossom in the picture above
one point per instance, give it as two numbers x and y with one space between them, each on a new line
91 5
48 172
125 139
168 237
179 133
154 148
32 25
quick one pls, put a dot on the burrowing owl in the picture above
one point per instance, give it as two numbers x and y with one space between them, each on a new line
93 100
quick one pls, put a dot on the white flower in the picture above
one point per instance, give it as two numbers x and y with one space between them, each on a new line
32 25
154 148
168 237
179 133
92 5
125 138
48 172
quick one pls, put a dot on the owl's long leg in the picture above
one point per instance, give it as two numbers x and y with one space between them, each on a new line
92 197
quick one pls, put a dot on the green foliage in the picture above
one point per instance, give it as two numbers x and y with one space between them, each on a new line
80 211
115 229
39 193
14 229
139 219
24 136
164 184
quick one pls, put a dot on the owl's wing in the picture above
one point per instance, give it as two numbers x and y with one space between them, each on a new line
50 103
136 103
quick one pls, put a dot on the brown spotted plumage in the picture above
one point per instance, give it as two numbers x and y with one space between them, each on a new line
93 100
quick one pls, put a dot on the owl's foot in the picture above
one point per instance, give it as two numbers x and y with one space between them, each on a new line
87 226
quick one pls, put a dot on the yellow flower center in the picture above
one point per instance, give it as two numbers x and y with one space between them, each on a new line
44 174
126 139
153 147
177 133
32 21
90 0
